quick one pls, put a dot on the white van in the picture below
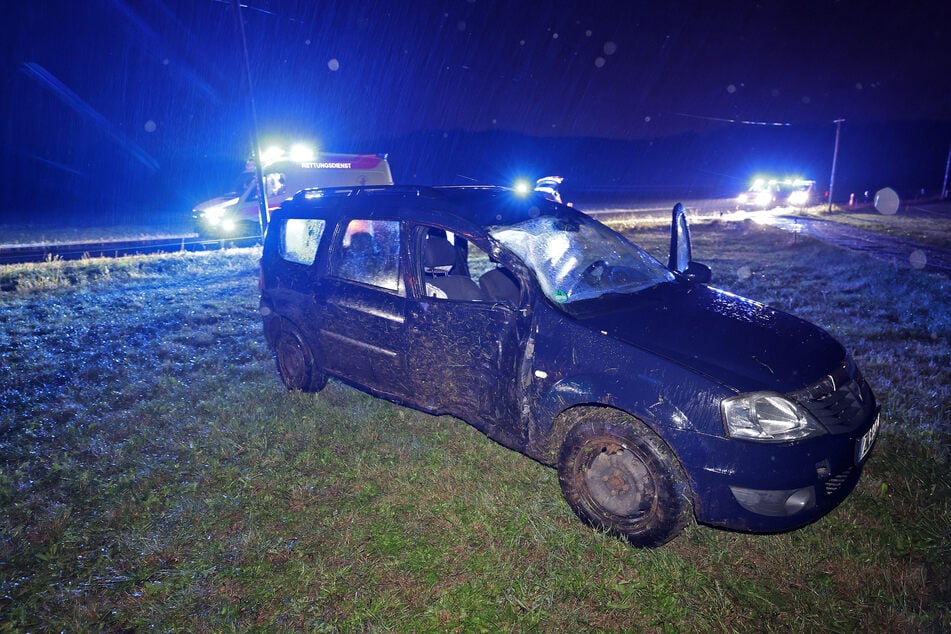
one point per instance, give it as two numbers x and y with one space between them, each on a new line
237 213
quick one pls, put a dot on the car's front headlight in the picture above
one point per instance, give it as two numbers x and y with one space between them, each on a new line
768 417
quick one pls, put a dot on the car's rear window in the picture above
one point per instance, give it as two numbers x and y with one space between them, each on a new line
300 238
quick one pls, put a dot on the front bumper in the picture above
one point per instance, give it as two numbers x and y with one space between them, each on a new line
768 488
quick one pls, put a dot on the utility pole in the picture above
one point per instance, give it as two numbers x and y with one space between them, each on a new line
835 156
262 186
944 186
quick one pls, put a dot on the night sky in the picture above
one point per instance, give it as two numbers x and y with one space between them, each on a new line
119 95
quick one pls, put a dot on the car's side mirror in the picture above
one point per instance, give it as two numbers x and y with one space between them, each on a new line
680 259
698 272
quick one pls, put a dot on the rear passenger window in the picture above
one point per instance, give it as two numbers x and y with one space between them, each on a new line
299 239
370 254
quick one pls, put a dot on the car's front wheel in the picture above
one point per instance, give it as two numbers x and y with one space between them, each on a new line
620 477
295 361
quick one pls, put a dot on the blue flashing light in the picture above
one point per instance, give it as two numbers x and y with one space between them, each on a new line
522 187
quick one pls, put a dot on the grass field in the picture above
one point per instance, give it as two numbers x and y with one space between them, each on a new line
156 475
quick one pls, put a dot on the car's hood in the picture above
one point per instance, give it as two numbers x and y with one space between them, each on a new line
738 342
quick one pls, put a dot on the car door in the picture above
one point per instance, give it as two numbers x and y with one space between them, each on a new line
462 340
363 302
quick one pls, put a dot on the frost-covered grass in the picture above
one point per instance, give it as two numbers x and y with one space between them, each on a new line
154 474
92 273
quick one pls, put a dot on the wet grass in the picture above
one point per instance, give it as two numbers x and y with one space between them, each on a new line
156 475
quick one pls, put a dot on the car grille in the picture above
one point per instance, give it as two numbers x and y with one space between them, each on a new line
840 402
835 483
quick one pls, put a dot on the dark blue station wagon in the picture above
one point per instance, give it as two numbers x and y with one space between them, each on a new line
658 398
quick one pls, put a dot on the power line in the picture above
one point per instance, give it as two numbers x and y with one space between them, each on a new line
778 124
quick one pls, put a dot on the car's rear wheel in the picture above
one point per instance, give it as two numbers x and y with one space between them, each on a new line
620 477
295 361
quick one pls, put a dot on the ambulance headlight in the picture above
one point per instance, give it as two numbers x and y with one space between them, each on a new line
213 215
763 199
798 198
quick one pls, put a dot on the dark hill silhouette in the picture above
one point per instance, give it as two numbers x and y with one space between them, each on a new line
906 155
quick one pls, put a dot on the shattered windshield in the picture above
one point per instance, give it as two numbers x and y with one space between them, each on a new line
578 258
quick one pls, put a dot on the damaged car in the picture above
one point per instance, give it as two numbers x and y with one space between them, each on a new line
660 399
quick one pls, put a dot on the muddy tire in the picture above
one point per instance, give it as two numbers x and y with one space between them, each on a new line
295 361
620 477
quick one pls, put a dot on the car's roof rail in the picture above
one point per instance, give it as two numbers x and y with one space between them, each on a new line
312 193
437 192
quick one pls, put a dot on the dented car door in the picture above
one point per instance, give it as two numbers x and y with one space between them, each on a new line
462 338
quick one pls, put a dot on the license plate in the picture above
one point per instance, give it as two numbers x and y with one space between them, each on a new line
866 441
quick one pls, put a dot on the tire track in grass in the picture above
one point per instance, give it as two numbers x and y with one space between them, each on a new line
895 250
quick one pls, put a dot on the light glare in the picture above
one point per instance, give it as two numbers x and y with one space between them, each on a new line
302 153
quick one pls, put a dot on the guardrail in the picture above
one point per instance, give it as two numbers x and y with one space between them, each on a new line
115 249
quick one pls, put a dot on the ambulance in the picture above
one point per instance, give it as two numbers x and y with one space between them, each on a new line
237 214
